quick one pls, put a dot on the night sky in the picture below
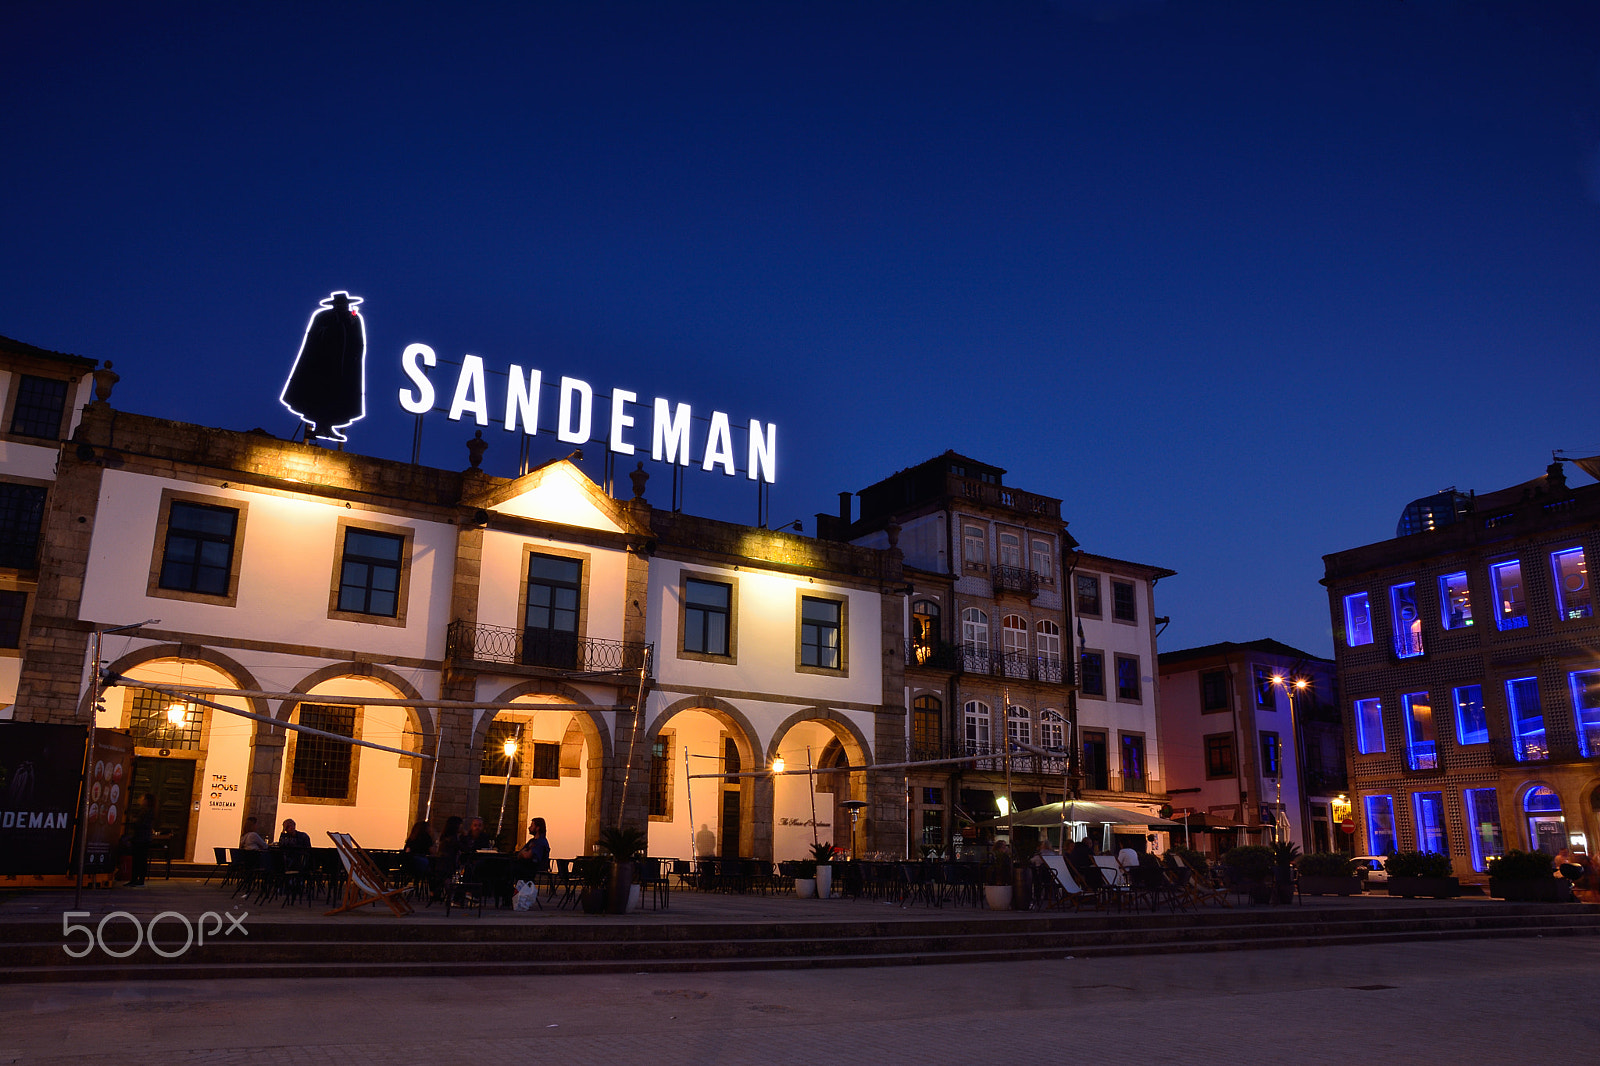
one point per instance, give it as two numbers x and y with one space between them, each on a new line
1235 281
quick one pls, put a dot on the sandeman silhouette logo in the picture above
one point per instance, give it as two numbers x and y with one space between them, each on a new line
327 387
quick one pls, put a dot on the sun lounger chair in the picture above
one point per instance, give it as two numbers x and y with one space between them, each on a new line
1116 880
1197 885
365 884
1065 887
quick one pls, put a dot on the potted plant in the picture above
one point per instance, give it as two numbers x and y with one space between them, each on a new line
822 854
804 873
1327 873
624 844
1252 866
1527 877
1421 873
998 890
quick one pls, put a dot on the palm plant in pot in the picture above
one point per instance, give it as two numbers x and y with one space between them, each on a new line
1284 853
1248 868
822 855
997 879
625 845
804 874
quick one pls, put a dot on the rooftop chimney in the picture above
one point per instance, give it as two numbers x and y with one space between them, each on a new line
844 506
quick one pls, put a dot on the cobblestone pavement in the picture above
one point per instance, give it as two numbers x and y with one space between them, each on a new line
1412 1004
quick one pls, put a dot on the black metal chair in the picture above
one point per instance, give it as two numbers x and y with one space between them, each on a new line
650 875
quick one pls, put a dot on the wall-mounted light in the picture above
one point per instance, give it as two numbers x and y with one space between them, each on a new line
510 747
777 764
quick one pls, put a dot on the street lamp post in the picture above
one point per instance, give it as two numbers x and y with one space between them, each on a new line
510 748
1291 687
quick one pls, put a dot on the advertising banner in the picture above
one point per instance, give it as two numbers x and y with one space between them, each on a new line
110 777
41 767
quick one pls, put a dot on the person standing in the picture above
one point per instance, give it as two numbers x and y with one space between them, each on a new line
144 829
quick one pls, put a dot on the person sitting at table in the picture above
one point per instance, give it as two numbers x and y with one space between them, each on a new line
537 849
476 839
296 846
416 849
446 852
1082 854
250 840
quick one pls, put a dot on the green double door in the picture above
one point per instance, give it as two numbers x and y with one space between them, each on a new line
171 782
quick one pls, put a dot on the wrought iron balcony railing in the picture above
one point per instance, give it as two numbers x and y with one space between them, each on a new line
470 642
978 659
1015 579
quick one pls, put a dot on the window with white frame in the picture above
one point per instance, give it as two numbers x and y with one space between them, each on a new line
1010 549
1052 733
1043 560
977 721
1047 645
1019 727
1014 644
975 640
972 547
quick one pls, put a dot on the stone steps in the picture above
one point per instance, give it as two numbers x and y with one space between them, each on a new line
33 950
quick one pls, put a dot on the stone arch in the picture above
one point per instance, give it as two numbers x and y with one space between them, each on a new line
424 771
855 743
194 653
594 730
265 750
586 725
755 793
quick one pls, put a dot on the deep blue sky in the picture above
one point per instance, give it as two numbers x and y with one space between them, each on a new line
1235 281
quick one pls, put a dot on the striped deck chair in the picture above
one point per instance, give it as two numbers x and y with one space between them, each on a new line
365 883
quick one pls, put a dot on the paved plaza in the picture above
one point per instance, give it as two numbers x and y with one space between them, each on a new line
1416 1004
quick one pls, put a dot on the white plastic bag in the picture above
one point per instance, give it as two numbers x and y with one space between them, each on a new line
526 897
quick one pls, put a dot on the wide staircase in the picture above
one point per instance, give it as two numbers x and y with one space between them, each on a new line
33 950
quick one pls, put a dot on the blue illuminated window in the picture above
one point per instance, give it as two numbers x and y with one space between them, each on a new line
1429 810
1357 620
1510 597
1369 726
1265 697
1572 583
1380 825
1527 719
1271 755
1455 606
1542 800
1472 725
1586 709
1406 620
1422 742
1483 822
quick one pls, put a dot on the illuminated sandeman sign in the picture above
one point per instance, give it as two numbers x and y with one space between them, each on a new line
670 423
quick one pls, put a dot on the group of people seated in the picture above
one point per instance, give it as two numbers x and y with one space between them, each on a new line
457 850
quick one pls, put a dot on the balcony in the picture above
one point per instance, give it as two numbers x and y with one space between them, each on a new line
934 655
977 659
1535 750
469 643
985 492
1015 579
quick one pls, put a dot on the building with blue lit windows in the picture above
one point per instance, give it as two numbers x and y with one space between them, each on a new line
1468 660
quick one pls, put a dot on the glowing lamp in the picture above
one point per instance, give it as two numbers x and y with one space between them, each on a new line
1004 802
510 747
777 764
177 713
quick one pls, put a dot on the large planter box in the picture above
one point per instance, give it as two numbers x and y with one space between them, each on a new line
1329 886
1437 887
1542 890
998 897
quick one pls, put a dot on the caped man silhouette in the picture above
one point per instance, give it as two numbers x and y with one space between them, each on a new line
327 386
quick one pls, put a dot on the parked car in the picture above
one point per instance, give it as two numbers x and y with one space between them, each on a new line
1370 868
